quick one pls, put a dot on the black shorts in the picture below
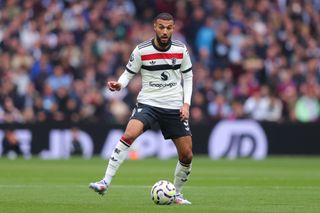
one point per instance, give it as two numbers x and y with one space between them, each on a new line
168 120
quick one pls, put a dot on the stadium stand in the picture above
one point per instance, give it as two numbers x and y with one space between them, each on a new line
251 59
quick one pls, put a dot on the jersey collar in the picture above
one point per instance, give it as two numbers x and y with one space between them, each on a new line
161 50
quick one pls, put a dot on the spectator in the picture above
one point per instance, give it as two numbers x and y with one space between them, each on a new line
11 145
307 107
237 110
274 109
219 108
59 79
254 106
11 113
263 106
206 36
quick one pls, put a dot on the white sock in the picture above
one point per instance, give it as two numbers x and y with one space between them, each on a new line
118 156
181 175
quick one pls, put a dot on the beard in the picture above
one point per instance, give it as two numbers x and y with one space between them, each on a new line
161 43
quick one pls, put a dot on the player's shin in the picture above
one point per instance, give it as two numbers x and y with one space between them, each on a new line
119 154
181 175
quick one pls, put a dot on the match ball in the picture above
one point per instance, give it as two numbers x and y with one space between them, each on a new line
163 192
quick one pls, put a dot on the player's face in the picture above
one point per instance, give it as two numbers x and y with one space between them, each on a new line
164 30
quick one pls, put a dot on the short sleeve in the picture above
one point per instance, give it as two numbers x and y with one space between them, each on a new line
186 64
134 64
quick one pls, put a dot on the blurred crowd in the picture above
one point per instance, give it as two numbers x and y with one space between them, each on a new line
251 59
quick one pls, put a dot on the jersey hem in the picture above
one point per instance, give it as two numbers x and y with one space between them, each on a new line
158 105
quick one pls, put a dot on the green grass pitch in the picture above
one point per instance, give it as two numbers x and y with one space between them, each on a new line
277 184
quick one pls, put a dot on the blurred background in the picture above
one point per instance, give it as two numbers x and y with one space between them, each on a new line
251 59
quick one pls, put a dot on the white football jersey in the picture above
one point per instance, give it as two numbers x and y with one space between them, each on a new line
161 72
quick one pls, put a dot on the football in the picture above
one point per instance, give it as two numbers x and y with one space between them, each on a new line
163 192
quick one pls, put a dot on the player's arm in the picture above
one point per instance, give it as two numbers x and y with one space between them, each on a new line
132 68
187 92
187 75
122 82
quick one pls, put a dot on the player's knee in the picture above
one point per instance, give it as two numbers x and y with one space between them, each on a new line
186 157
129 136
133 130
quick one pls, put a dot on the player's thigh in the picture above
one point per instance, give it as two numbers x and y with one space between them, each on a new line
134 129
184 148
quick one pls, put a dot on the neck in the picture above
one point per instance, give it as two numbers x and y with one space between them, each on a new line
156 42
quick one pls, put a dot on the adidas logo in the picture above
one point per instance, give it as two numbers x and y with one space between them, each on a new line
152 62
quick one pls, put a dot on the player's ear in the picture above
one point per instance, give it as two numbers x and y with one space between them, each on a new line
154 25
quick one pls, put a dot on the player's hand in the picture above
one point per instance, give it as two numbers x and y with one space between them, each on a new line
184 112
113 86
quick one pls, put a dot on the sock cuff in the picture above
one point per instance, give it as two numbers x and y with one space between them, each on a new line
126 141
184 164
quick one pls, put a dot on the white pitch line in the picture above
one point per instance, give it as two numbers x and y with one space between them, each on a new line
149 186
63 186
